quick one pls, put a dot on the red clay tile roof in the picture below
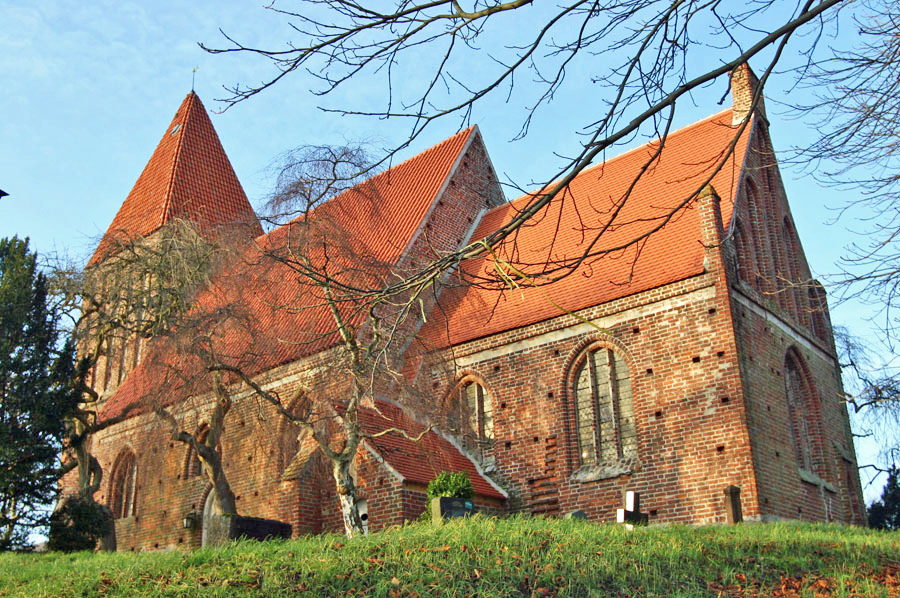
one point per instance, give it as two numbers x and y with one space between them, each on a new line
564 228
188 176
275 317
418 461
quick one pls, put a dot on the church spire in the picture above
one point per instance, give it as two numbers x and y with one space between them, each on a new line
189 177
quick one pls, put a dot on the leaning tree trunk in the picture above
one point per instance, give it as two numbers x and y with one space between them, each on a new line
346 491
224 502
90 477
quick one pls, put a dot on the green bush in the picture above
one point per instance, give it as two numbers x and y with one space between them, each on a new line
451 485
447 484
78 525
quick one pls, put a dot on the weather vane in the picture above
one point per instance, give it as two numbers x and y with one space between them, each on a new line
193 75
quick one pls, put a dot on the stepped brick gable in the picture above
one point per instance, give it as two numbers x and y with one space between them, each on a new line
695 367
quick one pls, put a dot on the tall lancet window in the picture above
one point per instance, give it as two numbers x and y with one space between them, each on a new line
123 485
604 410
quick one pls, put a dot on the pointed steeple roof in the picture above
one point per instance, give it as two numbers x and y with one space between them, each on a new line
188 176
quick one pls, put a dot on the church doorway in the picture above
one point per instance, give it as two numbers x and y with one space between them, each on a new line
208 509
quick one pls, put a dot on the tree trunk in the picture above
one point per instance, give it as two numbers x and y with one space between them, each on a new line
90 477
346 491
9 512
86 485
224 503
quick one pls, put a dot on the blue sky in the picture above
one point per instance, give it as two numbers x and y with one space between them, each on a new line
89 88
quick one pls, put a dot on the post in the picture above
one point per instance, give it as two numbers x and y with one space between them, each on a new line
733 512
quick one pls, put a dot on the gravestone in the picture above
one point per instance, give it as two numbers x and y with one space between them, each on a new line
631 515
733 512
222 528
208 513
443 507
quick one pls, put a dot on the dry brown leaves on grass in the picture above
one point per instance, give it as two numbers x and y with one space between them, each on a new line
887 577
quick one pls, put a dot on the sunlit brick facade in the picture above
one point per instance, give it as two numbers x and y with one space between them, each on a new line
699 359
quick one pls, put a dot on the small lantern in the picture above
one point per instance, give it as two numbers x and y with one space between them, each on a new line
190 520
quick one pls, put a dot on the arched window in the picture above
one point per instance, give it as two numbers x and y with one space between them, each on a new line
123 485
746 266
472 415
604 410
792 254
764 270
817 308
802 413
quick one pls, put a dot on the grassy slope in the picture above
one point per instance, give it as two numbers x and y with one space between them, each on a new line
493 557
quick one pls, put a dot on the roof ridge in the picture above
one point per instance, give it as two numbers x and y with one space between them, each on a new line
429 150
176 157
432 147
372 179
677 132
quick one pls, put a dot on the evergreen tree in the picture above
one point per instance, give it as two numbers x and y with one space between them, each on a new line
34 394
885 513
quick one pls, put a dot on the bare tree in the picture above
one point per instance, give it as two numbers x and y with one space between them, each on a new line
360 341
216 315
874 397
857 114
142 290
340 42
309 175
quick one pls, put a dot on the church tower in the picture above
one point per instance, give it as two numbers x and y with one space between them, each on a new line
188 178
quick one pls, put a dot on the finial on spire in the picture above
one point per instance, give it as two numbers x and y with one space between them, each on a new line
193 75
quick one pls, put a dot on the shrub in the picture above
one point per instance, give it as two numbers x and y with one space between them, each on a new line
451 485
78 525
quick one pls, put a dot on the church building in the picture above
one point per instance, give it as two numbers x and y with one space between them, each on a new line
689 357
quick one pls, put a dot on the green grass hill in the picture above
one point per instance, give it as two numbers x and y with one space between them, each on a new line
485 557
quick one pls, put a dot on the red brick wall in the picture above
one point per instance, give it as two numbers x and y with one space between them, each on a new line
691 444
708 391
773 316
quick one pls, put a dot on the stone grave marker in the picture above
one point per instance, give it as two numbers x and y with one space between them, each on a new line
449 508
733 512
631 515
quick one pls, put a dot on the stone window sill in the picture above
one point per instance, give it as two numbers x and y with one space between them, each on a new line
606 470
811 478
